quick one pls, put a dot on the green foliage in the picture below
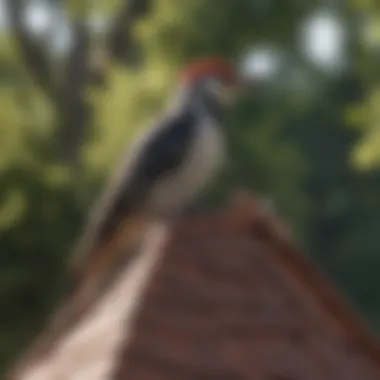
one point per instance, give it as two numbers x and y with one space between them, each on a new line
39 213
291 145
367 116
39 220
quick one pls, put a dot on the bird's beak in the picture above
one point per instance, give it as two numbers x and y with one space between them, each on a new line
230 93
244 84
238 89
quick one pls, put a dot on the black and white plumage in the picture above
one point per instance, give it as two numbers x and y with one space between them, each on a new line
172 163
168 166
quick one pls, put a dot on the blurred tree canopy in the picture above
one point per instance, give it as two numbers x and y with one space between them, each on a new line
78 84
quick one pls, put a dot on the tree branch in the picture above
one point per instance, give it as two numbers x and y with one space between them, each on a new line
69 95
75 110
121 37
33 54
118 44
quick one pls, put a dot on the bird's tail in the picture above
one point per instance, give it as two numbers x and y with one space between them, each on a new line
101 264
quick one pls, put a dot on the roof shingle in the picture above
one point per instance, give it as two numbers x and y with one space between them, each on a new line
232 299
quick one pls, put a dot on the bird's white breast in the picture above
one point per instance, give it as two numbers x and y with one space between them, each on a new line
200 166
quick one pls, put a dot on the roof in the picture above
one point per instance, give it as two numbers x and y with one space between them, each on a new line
221 295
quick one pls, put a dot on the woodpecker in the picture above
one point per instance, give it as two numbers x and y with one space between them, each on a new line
171 164
180 154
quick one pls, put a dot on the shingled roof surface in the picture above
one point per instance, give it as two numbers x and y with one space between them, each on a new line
232 299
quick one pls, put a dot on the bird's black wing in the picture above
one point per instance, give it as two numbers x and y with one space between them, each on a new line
165 151
161 154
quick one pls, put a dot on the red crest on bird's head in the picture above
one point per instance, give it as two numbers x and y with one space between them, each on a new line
208 67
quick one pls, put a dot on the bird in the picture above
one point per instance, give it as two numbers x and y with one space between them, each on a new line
168 167
163 172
